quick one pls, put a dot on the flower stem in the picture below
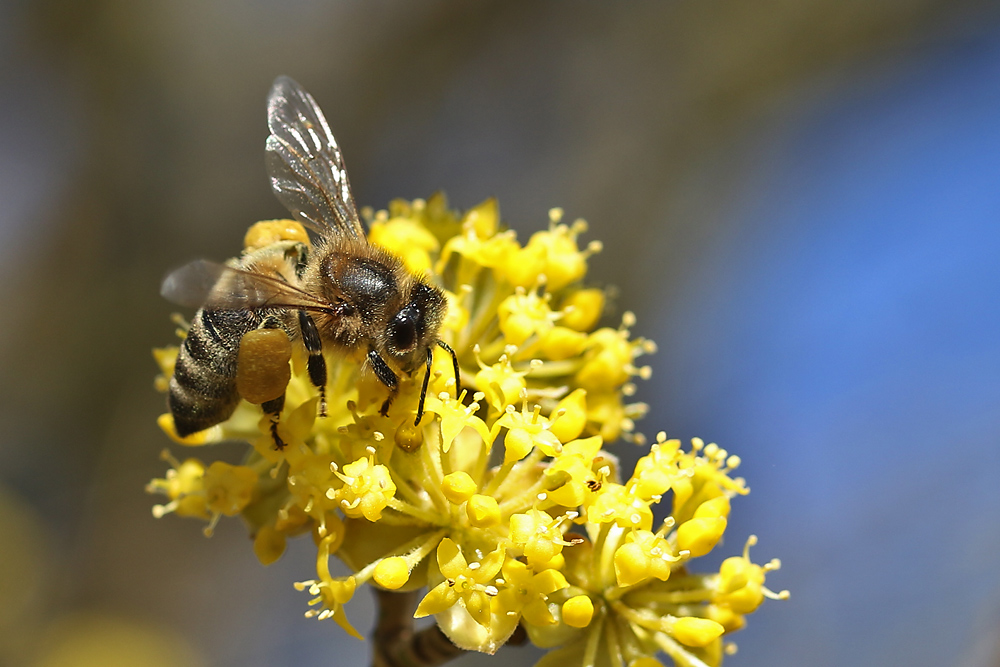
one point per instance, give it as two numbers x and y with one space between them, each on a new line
395 642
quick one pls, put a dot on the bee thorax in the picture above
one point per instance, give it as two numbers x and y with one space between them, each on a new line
366 285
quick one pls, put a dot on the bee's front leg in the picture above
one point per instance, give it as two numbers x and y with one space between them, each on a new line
316 364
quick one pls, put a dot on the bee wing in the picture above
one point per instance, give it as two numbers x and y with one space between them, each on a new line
305 163
207 284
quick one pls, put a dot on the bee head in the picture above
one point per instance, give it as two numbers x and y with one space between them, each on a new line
414 328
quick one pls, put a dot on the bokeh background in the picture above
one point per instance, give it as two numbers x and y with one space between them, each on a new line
800 199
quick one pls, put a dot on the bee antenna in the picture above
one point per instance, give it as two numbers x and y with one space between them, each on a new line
454 362
423 388
427 378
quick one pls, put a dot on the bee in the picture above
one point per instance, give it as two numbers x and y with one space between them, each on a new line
343 294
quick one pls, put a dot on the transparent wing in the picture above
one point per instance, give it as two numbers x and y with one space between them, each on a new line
305 164
207 284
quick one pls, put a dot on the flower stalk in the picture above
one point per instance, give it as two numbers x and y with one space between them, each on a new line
396 643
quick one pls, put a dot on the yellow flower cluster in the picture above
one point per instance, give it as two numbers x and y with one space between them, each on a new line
502 502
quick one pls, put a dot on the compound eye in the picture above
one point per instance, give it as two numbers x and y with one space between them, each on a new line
403 330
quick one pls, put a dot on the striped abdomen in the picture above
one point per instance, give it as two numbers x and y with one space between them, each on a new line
203 387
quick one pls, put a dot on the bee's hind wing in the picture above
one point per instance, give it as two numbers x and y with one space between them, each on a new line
205 284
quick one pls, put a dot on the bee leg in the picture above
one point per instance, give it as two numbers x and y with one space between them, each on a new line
262 370
387 376
298 253
273 409
316 364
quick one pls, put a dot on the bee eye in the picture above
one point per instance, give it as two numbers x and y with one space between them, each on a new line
403 330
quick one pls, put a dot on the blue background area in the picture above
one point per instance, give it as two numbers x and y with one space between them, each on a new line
846 342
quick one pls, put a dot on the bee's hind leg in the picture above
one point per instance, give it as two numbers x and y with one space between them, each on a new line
262 371
273 410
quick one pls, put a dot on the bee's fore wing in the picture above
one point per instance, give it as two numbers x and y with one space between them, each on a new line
305 163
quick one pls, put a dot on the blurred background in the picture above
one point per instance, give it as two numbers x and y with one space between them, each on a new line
799 199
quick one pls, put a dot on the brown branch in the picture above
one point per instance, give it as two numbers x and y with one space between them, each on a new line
395 642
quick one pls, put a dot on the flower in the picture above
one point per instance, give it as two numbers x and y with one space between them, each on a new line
642 596
503 500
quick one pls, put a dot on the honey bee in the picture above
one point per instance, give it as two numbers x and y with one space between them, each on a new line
343 294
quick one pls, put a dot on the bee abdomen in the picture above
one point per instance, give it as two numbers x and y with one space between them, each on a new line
203 387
